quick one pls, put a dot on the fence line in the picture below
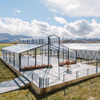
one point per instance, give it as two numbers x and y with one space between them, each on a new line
47 81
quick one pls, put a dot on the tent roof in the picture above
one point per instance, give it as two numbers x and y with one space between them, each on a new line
19 48
83 46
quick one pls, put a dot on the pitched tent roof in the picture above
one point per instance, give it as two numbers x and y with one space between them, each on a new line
83 46
19 48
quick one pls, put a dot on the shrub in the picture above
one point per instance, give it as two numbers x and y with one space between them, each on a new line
73 62
67 62
49 65
38 66
61 64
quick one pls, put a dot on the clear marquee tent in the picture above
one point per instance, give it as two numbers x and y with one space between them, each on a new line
89 51
43 50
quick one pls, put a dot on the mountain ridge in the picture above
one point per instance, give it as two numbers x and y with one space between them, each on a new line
6 37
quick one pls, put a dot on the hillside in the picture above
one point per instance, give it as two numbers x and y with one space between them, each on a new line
5 37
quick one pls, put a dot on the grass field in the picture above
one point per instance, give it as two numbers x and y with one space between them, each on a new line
4 45
5 73
88 90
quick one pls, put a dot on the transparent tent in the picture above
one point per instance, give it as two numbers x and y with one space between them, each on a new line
36 52
86 51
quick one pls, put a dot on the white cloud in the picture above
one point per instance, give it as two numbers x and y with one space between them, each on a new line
75 7
53 10
16 11
60 20
77 29
81 28
70 7
62 13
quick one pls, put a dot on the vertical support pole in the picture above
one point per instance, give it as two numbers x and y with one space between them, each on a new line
68 53
51 52
96 67
40 83
77 74
39 41
27 41
35 57
28 58
42 55
13 59
63 77
19 61
58 66
63 54
32 76
9 57
87 71
48 49
47 81
6 55
58 58
76 56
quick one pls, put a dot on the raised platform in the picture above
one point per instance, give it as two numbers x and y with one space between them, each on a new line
49 79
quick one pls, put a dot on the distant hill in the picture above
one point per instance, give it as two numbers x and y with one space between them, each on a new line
5 37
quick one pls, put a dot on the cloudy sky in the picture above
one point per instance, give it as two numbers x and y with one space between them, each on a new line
68 18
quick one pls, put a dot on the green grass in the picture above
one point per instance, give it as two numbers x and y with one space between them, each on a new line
87 90
4 45
18 95
5 73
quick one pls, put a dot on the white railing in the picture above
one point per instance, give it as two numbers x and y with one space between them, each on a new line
73 75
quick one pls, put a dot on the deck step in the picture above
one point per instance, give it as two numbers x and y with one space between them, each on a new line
24 80
19 82
9 86
27 79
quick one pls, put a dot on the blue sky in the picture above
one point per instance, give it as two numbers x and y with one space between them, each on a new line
72 19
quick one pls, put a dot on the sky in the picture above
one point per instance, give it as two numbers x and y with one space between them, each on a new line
65 18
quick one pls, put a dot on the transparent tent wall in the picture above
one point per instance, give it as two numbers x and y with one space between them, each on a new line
98 55
72 55
7 56
31 58
17 60
63 54
24 59
39 56
27 58
88 54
